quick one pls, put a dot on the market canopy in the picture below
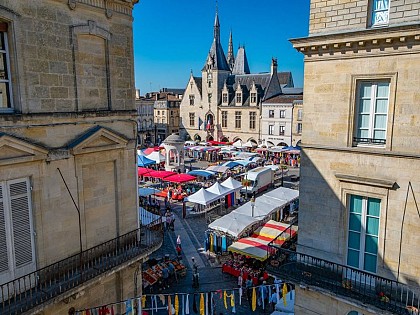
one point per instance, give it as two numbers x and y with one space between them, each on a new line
144 161
160 174
219 190
263 207
203 173
252 247
272 229
150 150
217 168
231 164
147 191
233 224
179 178
250 144
238 144
156 156
284 194
232 183
143 170
202 197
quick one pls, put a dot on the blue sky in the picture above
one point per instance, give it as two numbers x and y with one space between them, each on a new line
173 37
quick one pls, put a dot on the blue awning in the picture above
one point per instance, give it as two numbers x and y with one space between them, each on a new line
202 173
144 161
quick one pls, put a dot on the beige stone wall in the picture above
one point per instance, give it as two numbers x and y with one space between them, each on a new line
309 302
244 133
116 287
296 137
50 69
334 16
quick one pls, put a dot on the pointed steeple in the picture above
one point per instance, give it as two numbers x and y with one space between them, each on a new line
216 59
241 62
230 56
273 87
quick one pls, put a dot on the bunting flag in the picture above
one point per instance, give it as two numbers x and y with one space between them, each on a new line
143 301
140 304
254 299
232 302
207 304
183 305
194 304
224 299
202 304
240 296
169 305
129 307
176 304
187 305
284 293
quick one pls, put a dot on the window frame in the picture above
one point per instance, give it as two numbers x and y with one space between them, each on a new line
373 12
282 113
8 82
224 98
192 119
238 119
252 120
253 98
238 98
192 99
299 128
270 130
271 113
224 118
282 130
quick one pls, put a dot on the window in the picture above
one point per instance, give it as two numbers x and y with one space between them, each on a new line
225 98
209 97
300 113
158 112
192 99
271 113
372 113
238 119
172 112
252 116
253 98
380 12
172 121
281 130
270 129
5 82
363 232
239 98
17 252
299 128
282 114
224 119
192 119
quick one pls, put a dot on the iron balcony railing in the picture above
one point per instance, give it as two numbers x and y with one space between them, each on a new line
286 237
369 141
368 288
42 285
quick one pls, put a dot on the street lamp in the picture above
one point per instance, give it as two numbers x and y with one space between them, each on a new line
253 205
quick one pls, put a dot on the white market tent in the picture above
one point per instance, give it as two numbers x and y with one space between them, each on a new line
219 190
285 194
250 144
262 208
233 223
238 144
232 183
217 168
156 156
202 197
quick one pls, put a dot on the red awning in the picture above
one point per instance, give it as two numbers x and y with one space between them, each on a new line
179 178
143 170
160 174
150 150
212 142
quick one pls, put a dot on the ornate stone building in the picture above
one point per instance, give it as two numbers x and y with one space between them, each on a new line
358 217
224 104
68 193
145 119
166 110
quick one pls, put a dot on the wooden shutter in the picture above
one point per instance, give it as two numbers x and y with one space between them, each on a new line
4 255
21 222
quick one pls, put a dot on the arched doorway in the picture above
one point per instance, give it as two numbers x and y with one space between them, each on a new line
197 137
209 121
210 138
253 141
236 139
282 144
224 139
298 143
269 143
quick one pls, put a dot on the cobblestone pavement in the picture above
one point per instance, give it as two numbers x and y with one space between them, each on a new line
191 230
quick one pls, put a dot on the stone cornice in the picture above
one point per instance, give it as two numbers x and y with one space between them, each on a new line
109 6
359 40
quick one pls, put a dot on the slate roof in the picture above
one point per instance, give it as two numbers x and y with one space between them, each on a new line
241 63
283 98
198 82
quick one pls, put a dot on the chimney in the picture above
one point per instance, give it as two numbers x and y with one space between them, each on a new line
273 66
137 94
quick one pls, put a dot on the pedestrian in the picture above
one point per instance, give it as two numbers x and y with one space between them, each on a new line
195 283
240 280
165 276
179 252
178 241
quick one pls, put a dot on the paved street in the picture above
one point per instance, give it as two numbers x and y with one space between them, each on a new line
192 231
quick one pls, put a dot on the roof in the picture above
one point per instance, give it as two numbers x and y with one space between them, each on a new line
241 63
173 138
198 82
283 99
285 78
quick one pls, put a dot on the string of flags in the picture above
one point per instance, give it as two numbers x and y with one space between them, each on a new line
203 303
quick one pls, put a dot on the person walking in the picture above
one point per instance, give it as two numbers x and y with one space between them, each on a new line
178 241
195 283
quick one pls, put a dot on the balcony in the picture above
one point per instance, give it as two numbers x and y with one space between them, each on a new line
367 288
45 284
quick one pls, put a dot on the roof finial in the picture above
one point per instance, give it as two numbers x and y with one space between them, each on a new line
217 9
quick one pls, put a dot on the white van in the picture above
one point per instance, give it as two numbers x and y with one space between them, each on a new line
257 180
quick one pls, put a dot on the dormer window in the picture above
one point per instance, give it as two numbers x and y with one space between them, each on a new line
192 97
238 98
225 98
380 12
253 98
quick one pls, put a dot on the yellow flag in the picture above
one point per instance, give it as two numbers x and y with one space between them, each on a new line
254 299
143 301
169 305
176 304
224 298
284 293
202 304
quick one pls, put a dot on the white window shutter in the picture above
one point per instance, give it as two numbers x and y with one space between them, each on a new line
20 209
4 255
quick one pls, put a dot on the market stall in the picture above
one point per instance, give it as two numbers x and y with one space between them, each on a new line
153 275
179 178
144 161
156 156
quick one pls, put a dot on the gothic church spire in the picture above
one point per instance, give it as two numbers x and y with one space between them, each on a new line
230 56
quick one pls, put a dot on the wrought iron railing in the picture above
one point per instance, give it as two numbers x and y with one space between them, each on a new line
42 285
357 140
289 236
368 288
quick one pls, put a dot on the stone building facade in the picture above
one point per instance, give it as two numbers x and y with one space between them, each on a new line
166 111
145 119
360 159
297 126
67 143
224 104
